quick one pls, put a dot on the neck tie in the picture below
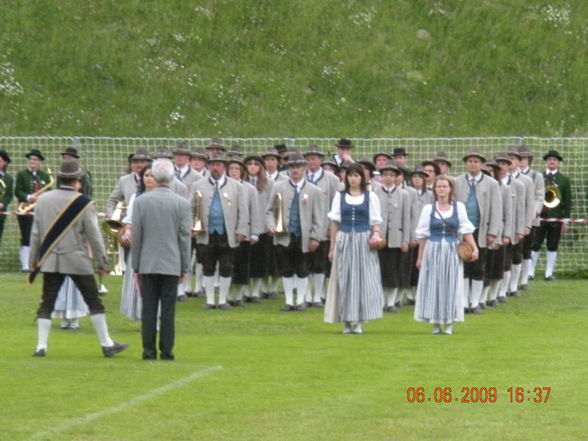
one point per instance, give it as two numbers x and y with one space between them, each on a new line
179 174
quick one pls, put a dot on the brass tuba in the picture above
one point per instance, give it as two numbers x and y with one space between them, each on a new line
114 227
552 196
2 189
197 226
27 207
279 214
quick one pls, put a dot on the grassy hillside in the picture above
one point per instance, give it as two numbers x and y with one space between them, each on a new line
293 68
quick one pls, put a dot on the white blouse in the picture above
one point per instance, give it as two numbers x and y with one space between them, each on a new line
423 229
129 215
375 211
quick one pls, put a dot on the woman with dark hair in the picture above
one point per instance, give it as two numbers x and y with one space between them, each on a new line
439 297
130 304
355 291
262 253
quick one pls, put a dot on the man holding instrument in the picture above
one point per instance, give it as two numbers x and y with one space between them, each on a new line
64 224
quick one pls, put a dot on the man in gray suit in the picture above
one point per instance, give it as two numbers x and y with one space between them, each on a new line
483 200
70 218
160 247
127 184
303 209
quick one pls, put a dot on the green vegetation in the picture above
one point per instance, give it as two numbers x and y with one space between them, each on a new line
289 376
294 68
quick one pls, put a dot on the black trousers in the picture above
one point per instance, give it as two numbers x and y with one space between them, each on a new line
85 283
390 267
476 270
217 250
517 253
528 244
158 289
25 223
291 260
549 230
318 259
2 220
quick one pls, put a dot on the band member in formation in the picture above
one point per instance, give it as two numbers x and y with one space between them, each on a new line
440 288
300 208
369 169
161 226
418 199
216 147
557 205
6 188
355 291
71 154
481 196
131 304
432 170
395 228
177 186
380 161
183 171
272 163
443 162
400 157
329 185
262 252
256 225
283 152
127 184
539 186
499 255
330 166
30 184
64 225
344 147
198 162
219 204
528 202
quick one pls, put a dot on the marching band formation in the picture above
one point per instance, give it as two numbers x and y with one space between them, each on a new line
280 219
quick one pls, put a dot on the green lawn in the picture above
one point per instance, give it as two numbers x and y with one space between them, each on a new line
257 373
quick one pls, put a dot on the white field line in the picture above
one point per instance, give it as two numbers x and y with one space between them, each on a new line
127 405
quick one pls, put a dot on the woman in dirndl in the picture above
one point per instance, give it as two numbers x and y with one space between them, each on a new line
130 304
354 295
439 298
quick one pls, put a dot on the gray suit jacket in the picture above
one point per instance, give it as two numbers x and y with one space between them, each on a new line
529 200
70 256
255 213
508 195
395 208
329 184
124 189
161 239
311 202
539 185
235 209
490 202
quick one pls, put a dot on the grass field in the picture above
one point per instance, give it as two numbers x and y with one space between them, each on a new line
260 374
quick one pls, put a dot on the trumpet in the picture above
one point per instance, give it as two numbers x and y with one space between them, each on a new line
27 207
279 214
552 196
198 226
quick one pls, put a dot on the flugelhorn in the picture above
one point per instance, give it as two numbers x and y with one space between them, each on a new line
197 226
279 214
27 207
552 196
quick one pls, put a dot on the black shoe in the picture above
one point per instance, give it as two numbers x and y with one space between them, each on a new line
254 300
149 357
224 306
301 307
390 309
287 307
531 277
515 294
550 279
208 306
39 353
182 298
502 299
477 310
167 357
109 351
524 287
491 303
